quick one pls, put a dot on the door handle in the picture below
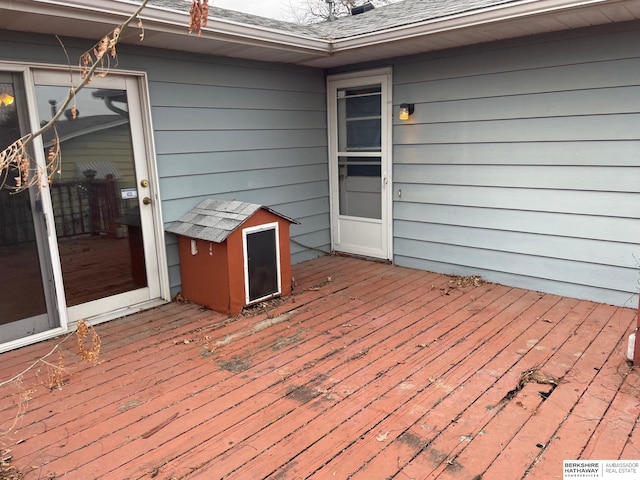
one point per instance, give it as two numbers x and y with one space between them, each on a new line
146 201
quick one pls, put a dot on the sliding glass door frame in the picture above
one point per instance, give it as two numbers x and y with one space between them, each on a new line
156 291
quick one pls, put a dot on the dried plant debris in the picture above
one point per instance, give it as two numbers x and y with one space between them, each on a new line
56 373
179 298
8 471
533 375
199 14
88 349
457 281
19 398
319 285
263 307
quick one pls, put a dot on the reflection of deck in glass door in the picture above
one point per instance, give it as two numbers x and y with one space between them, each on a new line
101 201
360 163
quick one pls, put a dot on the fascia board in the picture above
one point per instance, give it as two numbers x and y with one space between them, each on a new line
499 13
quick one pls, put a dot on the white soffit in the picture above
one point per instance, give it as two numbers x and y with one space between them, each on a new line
166 28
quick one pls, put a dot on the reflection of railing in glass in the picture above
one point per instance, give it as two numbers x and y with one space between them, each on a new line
86 206
89 201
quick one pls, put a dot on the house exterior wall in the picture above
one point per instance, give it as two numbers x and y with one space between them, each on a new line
224 128
245 131
521 163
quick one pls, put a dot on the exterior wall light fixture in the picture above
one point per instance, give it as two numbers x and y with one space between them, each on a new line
406 109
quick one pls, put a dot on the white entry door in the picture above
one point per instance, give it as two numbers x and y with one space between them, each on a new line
359 109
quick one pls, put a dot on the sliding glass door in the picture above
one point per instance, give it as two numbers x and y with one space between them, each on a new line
26 277
87 245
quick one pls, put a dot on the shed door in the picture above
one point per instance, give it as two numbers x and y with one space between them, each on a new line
262 262
360 163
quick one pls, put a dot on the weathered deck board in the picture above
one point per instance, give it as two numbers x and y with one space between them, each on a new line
366 371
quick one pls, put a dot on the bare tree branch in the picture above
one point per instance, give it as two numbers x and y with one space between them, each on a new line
306 12
106 46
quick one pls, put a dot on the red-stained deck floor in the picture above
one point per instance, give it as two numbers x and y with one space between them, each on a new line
368 371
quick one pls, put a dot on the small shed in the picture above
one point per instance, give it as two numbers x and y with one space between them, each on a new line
233 254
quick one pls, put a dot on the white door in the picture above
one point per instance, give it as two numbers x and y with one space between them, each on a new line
359 110
102 206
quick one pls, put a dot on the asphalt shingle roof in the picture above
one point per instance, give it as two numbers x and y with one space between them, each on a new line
398 14
240 17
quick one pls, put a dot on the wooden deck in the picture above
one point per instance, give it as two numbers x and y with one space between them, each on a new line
368 371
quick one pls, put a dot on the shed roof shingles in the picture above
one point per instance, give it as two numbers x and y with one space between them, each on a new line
214 220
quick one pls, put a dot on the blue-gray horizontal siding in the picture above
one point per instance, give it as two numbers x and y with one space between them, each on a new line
225 128
522 163
241 130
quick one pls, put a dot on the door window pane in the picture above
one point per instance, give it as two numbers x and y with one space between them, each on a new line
359 119
360 188
95 198
359 123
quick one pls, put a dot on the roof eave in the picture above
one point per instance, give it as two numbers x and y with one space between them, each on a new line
167 28
476 18
171 21
160 22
